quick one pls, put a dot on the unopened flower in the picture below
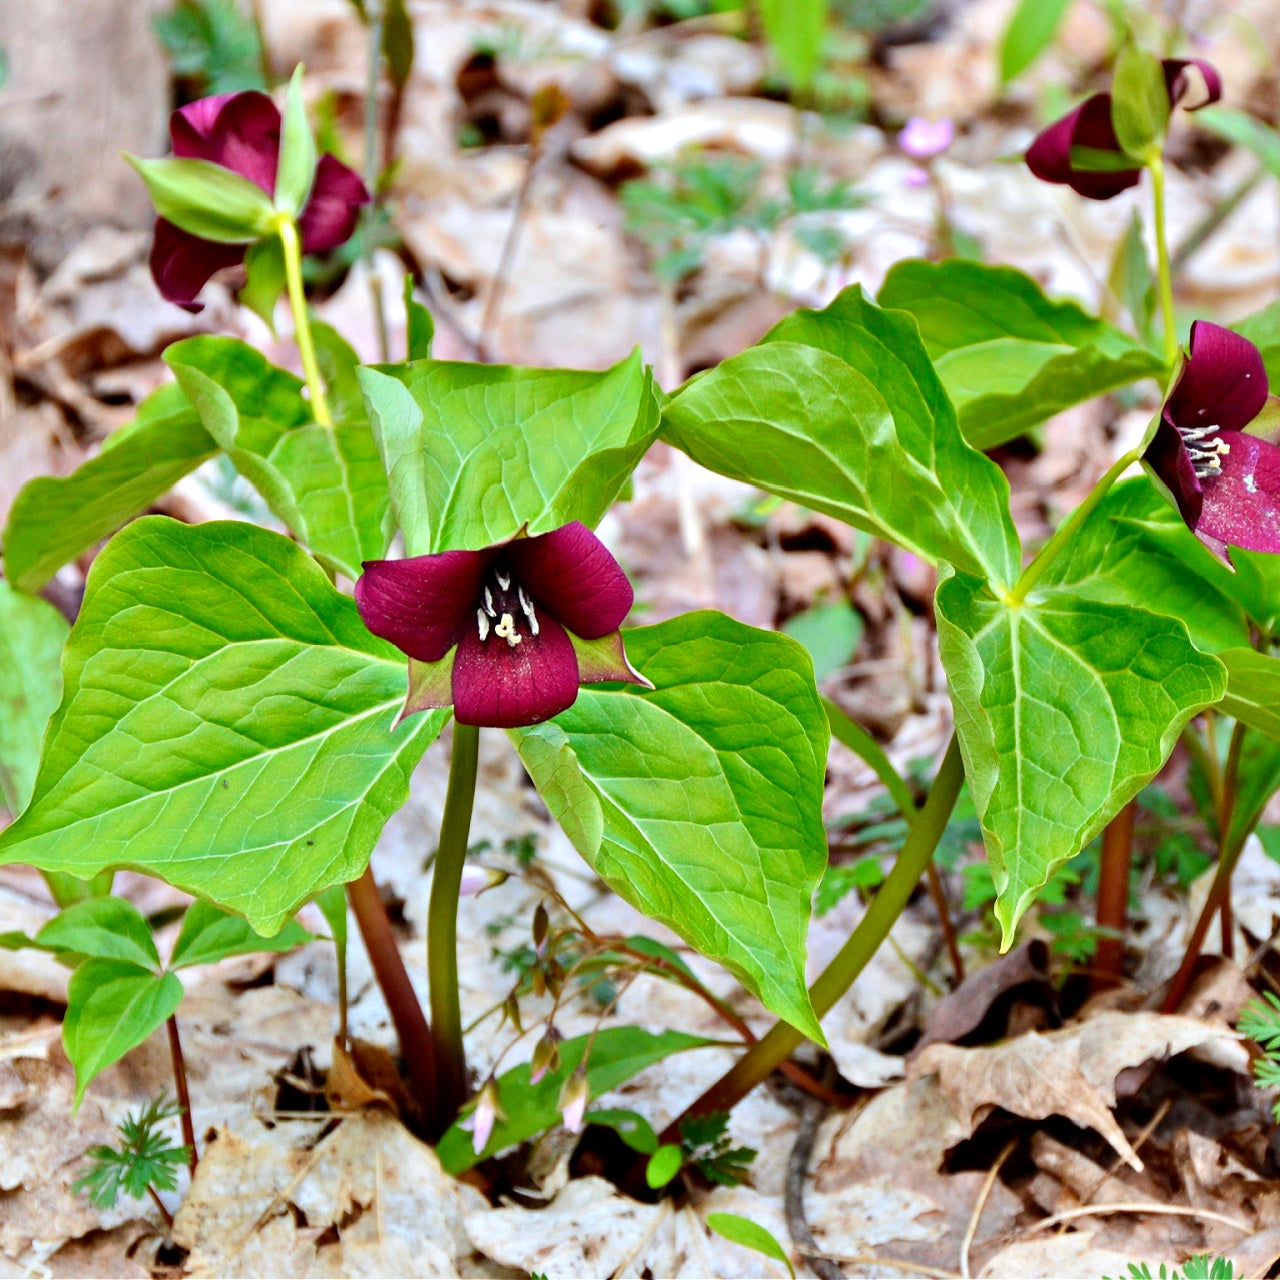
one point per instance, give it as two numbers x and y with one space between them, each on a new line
546 1056
475 880
1082 150
573 1100
482 1119
923 138
504 635
1213 452
241 132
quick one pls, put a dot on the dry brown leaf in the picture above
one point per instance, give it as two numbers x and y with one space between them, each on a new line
1071 1072
353 1196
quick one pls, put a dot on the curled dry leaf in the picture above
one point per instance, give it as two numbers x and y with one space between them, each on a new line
1071 1072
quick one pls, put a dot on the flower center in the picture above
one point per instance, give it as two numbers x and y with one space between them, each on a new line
1205 449
505 610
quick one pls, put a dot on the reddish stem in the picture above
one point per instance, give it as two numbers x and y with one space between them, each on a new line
184 1095
1113 897
1228 924
416 1046
939 897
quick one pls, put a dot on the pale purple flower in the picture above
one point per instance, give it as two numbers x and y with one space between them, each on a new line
923 138
481 1121
475 880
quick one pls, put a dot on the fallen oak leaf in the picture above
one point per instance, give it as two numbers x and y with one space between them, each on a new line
1070 1073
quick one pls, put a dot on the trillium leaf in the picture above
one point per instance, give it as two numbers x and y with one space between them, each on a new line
207 200
326 484
226 724
103 928
112 1007
617 1054
840 410
1134 551
1009 356
477 452
1263 330
209 935
700 802
32 633
1065 707
1253 689
54 518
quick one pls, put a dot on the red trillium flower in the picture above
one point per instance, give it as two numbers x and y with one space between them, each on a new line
526 623
1212 451
241 132
1056 155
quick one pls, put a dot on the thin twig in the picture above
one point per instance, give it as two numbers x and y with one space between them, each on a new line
1146 1131
984 1194
493 304
159 1204
811 1113
1171 1210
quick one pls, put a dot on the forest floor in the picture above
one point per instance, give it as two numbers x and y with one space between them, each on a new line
1015 1127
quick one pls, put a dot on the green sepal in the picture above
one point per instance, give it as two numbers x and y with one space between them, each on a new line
264 279
296 169
1139 102
207 200
430 685
605 659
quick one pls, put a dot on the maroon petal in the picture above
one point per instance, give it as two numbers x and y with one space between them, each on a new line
331 212
571 575
1242 505
1167 456
1222 384
1089 125
423 604
509 686
181 263
1178 82
240 131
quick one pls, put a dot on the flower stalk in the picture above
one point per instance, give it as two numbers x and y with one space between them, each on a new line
184 1094
768 1053
1164 271
291 244
442 922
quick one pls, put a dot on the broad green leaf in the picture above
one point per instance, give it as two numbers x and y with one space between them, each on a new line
1065 707
112 1007
104 929
226 724
699 802
840 410
1258 780
1139 102
1246 131
338 361
207 200
54 518
630 1126
333 906
830 632
296 169
751 1235
1253 689
478 452
326 484
1134 551
617 1054
32 633
797 33
1008 356
1132 282
1029 33
1263 330
209 935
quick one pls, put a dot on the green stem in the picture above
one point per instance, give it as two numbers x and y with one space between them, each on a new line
292 246
442 922
781 1040
1164 272
1067 529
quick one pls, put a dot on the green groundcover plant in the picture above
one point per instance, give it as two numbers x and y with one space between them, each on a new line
240 710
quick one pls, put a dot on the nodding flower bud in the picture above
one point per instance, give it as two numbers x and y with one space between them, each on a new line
541 924
546 1056
475 880
573 1100
481 1120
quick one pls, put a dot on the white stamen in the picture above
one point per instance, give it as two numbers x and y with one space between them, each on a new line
507 630
482 621
1206 461
503 581
527 605
488 603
